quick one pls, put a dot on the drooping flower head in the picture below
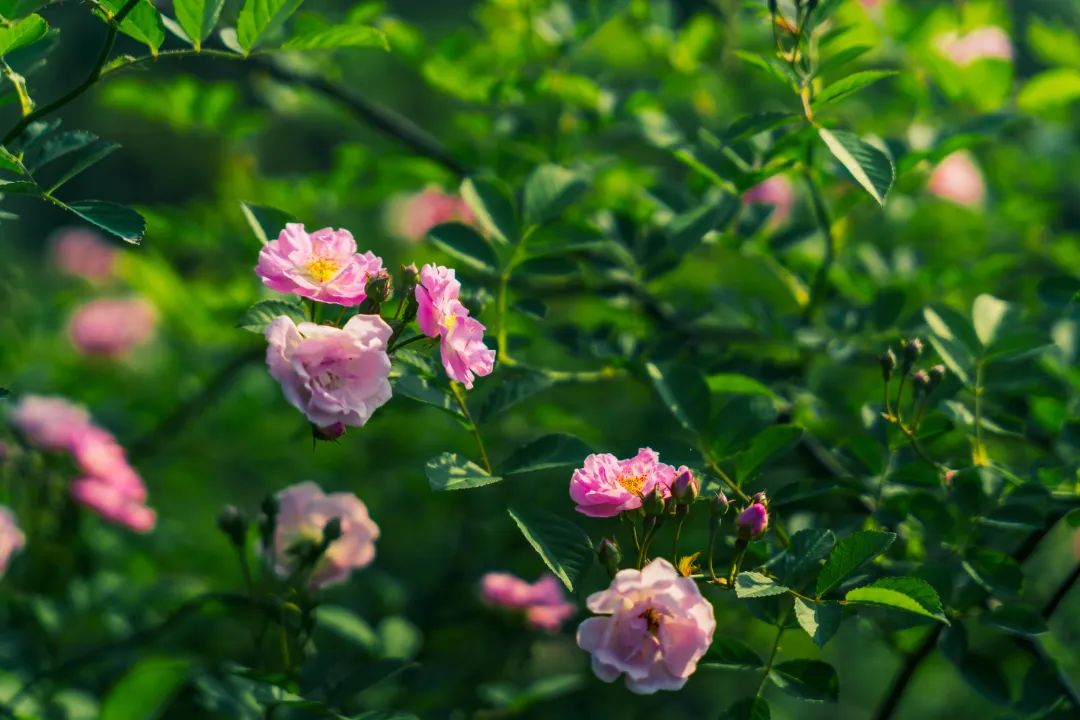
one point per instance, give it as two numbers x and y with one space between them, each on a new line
606 486
543 602
11 538
441 314
323 265
988 42
49 423
656 626
83 253
776 191
958 179
112 327
304 511
410 217
331 375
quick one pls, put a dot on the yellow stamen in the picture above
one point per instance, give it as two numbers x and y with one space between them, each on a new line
633 484
450 321
322 269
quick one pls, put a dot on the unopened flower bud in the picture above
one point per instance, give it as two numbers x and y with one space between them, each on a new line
888 364
379 288
268 523
937 374
759 497
233 523
654 502
686 487
610 555
329 432
410 275
719 504
920 380
753 521
912 350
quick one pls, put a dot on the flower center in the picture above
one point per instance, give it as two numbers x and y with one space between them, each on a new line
652 619
450 321
322 269
632 483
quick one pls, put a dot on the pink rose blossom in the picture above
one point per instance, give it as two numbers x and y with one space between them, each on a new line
412 216
110 486
607 486
112 327
657 627
440 313
988 42
754 520
50 423
331 375
543 602
114 504
304 511
958 179
323 265
84 253
11 538
776 191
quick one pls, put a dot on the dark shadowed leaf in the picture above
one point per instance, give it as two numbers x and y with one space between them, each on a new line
766 447
754 708
562 545
1018 619
546 453
684 392
266 222
811 680
728 653
466 245
119 220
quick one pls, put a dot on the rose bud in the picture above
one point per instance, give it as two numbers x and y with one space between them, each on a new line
921 382
654 502
937 374
719 504
232 522
912 350
610 555
686 486
753 521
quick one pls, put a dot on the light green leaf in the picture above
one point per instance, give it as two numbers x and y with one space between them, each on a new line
259 18
850 554
145 690
870 167
756 585
492 207
811 680
549 190
9 162
735 384
25 32
768 445
143 23
119 220
546 453
266 222
348 626
338 36
988 313
198 18
262 313
901 593
450 471
850 84
1049 90
563 546
819 620
728 653
465 244
684 392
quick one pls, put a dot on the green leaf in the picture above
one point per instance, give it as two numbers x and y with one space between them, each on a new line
689 228
997 572
1050 90
683 390
85 157
25 32
811 680
850 84
901 593
562 545
988 313
819 620
850 554
735 384
424 391
121 221
870 167
491 205
266 222
766 447
549 190
198 18
808 548
450 471
513 389
145 690
262 313
346 625
143 23
9 162
753 708
756 585
338 36
1018 619
465 244
751 125
259 18
546 453
950 340
728 653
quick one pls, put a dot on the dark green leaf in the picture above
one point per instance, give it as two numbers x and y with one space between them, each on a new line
808 548
198 18
513 389
348 626
901 593
9 162
995 571
119 220
688 229
259 18
85 157
869 166
728 653
734 384
145 690
546 453
259 315
142 24
684 392
755 585
819 620
465 244
850 554
562 545
754 708
1018 619
766 447
811 680
266 222
850 84
549 190
492 207
425 391
751 125
450 471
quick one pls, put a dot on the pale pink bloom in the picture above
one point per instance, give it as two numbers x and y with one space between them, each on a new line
988 42
112 327
411 217
11 538
958 179
607 486
49 423
323 265
543 602
109 486
113 503
657 627
84 253
440 313
754 520
331 375
776 191
304 511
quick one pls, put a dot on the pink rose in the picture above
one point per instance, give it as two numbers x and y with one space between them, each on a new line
331 375
50 423
982 43
657 627
412 216
323 266
304 511
776 191
543 602
958 179
607 486
114 503
83 253
11 538
753 521
110 486
112 327
440 313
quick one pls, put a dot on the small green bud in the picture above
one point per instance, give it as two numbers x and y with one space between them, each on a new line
654 503
888 364
912 350
232 522
610 555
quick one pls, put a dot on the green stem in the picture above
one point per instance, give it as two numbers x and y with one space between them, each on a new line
772 657
980 451
459 395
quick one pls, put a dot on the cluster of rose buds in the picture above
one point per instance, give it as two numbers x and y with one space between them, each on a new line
923 382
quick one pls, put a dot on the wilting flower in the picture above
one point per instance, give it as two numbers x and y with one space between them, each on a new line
776 191
753 521
331 375
304 511
543 601
323 265
112 327
441 314
606 486
84 253
988 42
50 423
411 216
657 627
958 179
11 538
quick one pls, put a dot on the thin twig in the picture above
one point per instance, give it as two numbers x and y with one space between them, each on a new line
459 395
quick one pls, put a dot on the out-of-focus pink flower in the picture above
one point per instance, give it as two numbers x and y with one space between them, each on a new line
50 423
112 503
331 375
543 602
958 179
112 327
109 486
323 265
988 42
776 191
754 520
657 627
83 253
606 486
304 511
441 314
11 538
411 216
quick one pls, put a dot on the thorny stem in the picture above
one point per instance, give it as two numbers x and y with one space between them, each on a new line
459 395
